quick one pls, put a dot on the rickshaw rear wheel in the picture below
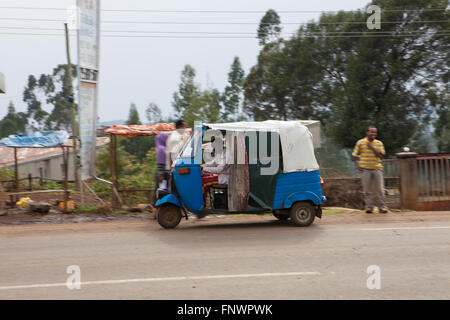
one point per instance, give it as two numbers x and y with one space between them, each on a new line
168 216
302 214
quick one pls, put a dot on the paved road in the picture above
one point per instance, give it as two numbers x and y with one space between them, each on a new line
231 258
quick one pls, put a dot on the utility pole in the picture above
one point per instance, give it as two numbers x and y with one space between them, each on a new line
72 104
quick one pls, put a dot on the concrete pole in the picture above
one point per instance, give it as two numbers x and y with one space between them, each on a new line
72 104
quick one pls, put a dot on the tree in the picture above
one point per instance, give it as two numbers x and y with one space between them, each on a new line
187 101
211 105
351 82
53 90
133 115
269 27
442 128
232 95
61 115
136 146
153 113
30 97
13 123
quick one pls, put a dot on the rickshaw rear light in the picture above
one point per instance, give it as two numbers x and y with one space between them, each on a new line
184 171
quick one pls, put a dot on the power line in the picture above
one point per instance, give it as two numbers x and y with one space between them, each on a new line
229 11
236 37
227 33
228 23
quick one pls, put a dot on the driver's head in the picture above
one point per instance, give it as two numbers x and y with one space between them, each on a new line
218 144
180 124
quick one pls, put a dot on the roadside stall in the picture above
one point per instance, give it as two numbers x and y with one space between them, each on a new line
39 139
131 131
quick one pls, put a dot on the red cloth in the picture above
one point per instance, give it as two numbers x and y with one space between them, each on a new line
207 181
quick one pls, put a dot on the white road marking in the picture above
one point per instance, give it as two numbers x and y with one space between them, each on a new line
223 276
405 228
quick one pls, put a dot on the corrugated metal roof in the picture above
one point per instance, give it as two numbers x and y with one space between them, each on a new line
135 130
35 154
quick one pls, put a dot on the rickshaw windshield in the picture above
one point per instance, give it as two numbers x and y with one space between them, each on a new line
189 148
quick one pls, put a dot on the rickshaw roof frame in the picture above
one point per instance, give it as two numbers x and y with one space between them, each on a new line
295 138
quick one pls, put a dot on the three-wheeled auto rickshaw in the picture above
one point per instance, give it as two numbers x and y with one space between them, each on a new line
270 167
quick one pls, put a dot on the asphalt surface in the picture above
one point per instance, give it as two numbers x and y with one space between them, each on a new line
254 257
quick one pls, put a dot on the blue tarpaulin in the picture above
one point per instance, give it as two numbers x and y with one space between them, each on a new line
39 139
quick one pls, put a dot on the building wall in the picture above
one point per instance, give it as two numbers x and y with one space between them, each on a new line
52 167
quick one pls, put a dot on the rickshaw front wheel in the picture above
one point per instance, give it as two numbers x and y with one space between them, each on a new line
302 214
168 216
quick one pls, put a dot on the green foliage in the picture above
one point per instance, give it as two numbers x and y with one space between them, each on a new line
269 27
334 161
187 101
232 95
13 123
193 104
132 174
52 89
351 82
136 146
6 174
153 113
103 161
103 190
442 126
211 105
52 185
133 115
85 209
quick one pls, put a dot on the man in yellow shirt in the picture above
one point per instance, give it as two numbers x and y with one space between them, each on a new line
367 155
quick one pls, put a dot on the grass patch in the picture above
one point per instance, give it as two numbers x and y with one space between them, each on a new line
118 212
340 211
85 209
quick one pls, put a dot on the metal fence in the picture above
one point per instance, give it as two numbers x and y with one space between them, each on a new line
433 174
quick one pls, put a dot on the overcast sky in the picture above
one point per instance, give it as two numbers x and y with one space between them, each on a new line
143 70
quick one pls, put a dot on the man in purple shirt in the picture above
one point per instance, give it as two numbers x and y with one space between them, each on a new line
160 141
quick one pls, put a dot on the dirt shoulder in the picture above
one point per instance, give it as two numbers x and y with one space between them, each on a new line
90 222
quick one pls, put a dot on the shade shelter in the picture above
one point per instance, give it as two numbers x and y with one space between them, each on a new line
39 139
131 131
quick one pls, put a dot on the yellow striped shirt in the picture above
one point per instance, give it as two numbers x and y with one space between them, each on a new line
367 158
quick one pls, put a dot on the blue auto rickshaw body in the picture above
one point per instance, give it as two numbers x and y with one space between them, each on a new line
187 191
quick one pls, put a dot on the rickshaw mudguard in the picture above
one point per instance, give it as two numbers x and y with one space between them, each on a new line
301 196
297 186
170 198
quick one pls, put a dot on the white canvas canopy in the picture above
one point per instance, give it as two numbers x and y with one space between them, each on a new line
296 141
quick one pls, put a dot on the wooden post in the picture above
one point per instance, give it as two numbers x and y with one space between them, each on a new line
409 193
113 157
16 171
30 182
41 175
66 167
